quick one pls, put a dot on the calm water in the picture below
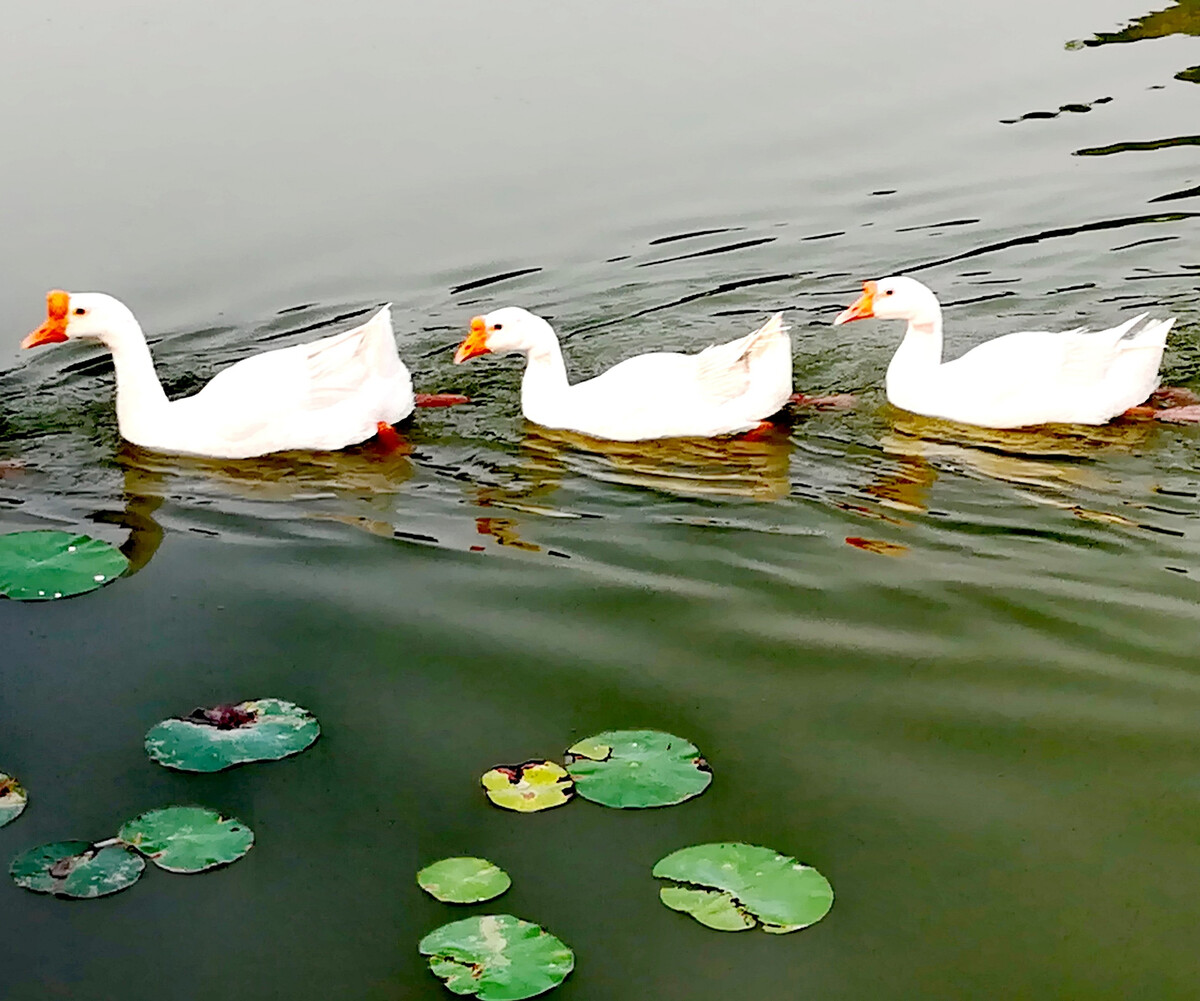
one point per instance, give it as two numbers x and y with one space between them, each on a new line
990 742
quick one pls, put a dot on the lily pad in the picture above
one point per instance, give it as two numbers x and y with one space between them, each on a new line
77 869
528 787
711 908
12 799
187 838
785 895
497 957
208 740
637 768
44 565
463 880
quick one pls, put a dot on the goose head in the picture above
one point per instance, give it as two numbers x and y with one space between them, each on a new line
89 316
894 298
505 331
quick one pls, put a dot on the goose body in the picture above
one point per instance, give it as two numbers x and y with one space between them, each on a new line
320 396
724 389
1018 380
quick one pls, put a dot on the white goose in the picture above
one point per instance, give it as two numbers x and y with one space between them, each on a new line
319 396
1018 380
725 389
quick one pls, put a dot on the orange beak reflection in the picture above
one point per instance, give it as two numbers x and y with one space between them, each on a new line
54 329
863 308
475 343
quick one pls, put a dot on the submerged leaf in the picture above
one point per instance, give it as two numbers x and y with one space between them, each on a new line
208 740
711 908
463 880
783 894
528 787
77 869
12 799
45 564
497 957
637 768
187 838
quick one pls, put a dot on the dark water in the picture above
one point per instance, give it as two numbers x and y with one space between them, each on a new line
990 743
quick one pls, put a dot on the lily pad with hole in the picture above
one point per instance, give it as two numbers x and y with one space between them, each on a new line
463 880
207 740
528 787
12 799
77 869
45 564
785 895
497 957
637 768
187 838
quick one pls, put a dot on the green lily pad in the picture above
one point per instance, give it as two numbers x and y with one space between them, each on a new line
12 799
711 908
463 880
77 869
187 838
528 787
44 565
785 895
497 957
208 740
637 768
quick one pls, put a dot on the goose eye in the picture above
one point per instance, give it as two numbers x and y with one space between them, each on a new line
80 311
888 292
497 326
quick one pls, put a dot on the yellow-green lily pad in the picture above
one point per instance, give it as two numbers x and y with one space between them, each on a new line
463 880
77 869
208 740
187 838
528 787
46 564
637 769
497 957
711 908
12 799
785 895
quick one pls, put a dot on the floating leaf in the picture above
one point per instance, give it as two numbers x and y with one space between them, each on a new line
711 908
77 869
783 894
463 880
12 799
497 957
528 787
637 768
43 565
208 740
187 838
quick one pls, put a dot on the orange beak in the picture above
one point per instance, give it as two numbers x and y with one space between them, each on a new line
476 342
54 329
863 308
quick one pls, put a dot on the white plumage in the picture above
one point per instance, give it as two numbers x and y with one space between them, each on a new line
1022 379
320 396
724 389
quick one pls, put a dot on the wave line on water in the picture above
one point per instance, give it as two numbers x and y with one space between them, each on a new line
1053 234
719 290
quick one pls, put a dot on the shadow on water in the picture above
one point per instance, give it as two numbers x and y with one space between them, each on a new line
1181 18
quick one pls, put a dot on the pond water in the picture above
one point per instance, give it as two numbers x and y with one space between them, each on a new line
986 732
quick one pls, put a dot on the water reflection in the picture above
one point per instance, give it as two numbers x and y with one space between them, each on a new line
1181 18
1048 463
362 482
752 468
755 469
